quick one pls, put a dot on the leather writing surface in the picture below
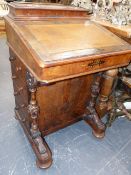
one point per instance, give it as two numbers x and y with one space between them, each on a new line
69 37
67 40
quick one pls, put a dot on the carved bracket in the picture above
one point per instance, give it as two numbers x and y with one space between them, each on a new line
31 81
44 159
93 119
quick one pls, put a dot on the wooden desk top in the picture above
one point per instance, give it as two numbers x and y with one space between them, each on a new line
124 31
56 42
59 42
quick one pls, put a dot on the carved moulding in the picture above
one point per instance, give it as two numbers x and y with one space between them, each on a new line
118 12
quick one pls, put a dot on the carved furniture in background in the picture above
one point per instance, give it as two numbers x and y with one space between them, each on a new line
63 70
117 12
122 92
3 11
86 4
116 17
120 95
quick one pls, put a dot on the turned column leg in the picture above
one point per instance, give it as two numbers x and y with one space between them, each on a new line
120 95
93 119
41 149
106 90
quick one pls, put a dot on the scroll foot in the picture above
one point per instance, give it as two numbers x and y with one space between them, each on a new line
39 146
98 127
44 159
99 135
93 119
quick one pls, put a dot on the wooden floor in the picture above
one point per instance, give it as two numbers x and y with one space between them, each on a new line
75 150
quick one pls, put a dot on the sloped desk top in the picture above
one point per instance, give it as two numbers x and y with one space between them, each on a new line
63 47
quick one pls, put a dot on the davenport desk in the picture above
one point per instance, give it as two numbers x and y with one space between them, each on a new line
63 69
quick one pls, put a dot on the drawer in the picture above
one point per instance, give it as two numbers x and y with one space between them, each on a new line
21 95
19 82
85 67
18 71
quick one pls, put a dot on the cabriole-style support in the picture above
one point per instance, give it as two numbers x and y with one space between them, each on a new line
93 119
98 107
42 151
108 81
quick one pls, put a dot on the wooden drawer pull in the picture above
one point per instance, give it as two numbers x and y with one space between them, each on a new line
96 63
18 92
14 77
18 69
22 105
12 58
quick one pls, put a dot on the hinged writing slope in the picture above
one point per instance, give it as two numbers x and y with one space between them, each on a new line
71 43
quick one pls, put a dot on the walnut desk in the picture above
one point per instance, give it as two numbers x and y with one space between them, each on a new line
63 66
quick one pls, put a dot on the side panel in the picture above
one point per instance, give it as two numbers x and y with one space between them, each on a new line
61 103
20 88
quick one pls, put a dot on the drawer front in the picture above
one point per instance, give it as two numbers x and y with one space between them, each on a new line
85 67
19 84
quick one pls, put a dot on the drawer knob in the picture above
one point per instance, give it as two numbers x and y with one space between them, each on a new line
12 58
18 69
16 108
23 105
14 77
18 91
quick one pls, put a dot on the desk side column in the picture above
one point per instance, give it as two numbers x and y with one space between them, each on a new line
41 149
102 88
93 118
108 81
